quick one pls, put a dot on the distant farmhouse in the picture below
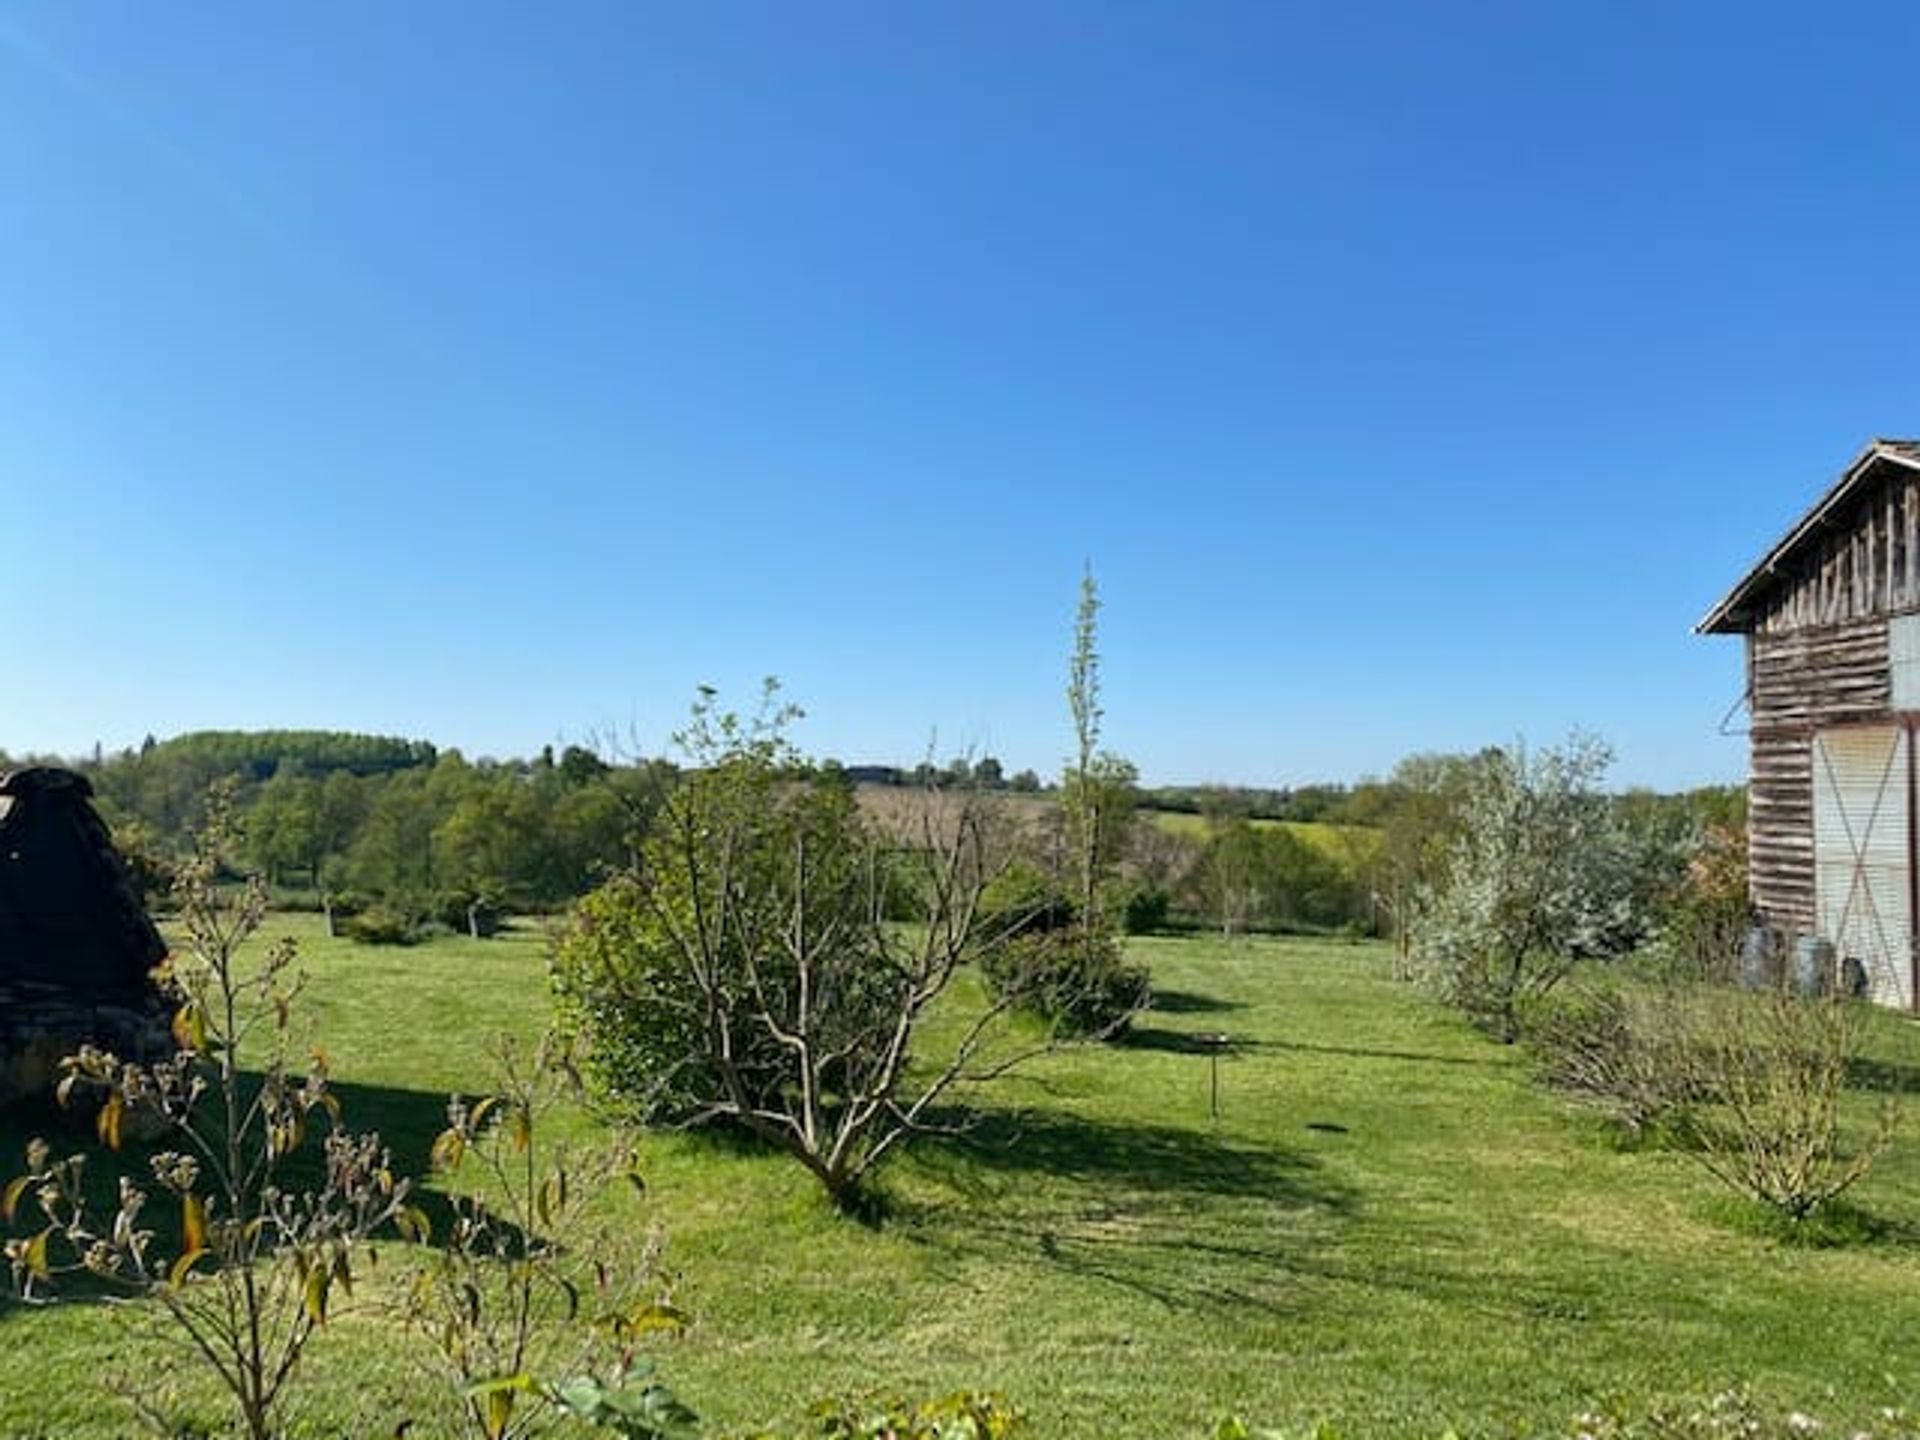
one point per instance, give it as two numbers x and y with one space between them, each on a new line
1832 620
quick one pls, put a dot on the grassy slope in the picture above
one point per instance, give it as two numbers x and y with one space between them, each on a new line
1388 1226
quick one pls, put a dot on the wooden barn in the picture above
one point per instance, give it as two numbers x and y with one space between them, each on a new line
1832 620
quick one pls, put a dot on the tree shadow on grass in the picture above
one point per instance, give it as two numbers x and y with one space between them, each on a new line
1887 1077
1184 1218
1171 1042
406 1120
1508 1057
1191 1002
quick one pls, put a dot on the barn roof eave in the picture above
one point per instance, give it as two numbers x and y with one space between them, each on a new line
1734 614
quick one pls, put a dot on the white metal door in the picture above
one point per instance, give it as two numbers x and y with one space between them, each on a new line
1861 853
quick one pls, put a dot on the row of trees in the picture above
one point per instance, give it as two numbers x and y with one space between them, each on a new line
413 835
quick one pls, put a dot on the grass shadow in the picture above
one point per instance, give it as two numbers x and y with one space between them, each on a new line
1176 1215
1493 1062
1838 1225
406 1120
1171 1042
1886 1077
1191 1002
1141 1159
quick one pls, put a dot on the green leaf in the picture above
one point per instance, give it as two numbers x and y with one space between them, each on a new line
552 1199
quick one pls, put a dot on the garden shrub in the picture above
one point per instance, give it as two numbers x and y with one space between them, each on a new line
1614 1050
387 923
1078 981
1767 1076
1023 899
1144 909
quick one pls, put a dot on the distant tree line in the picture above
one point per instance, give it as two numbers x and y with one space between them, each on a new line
388 835
961 773
394 835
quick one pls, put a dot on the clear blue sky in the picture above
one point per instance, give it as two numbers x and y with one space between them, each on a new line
1413 375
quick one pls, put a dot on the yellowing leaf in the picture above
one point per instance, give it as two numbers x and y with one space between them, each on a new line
177 1276
499 1412
520 1128
653 1320
319 1281
190 1027
36 1255
448 1150
108 1121
412 1223
193 1223
10 1198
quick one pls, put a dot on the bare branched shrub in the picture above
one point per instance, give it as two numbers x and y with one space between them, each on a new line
1766 1077
1617 1051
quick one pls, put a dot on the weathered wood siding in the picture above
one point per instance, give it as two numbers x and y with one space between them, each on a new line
1802 681
1869 565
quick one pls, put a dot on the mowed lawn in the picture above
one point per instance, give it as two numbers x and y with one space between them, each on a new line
1388 1227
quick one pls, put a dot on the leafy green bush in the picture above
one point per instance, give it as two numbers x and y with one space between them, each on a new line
388 923
1023 899
623 988
1144 909
1078 981
743 970
1535 879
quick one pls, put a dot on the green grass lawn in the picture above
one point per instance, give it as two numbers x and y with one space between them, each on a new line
1388 1227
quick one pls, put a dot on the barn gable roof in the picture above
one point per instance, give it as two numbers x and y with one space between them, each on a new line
1735 613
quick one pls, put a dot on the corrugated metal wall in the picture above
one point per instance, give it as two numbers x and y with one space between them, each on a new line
1862 837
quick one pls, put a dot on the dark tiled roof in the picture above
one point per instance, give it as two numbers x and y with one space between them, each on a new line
1734 614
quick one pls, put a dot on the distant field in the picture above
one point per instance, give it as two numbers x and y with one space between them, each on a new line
1347 844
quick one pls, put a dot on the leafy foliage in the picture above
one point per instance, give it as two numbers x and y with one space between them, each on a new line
1087 991
744 968
1074 975
1535 878
529 1299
